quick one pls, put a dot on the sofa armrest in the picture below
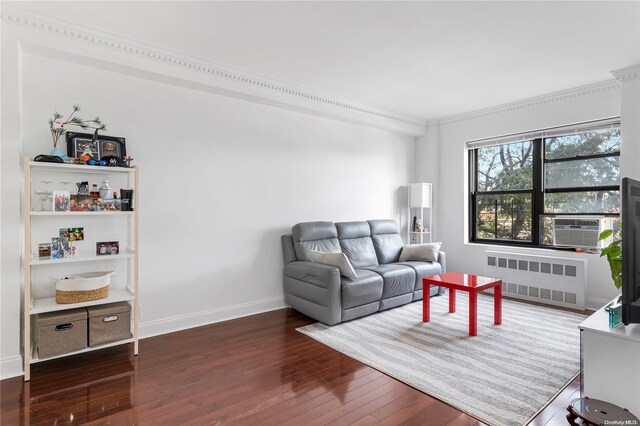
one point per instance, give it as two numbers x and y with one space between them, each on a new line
314 289
442 260
319 274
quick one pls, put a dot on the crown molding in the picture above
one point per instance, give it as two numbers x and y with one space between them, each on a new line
217 72
627 74
590 89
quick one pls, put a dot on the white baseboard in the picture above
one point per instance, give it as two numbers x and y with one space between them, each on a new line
197 319
11 367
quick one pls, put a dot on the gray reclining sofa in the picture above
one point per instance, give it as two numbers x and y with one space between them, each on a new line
373 248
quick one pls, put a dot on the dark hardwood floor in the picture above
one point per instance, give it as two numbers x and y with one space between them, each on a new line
256 371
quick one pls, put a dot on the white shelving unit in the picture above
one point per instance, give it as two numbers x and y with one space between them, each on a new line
35 299
420 206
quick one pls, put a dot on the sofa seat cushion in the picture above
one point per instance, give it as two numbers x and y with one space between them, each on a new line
367 288
397 279
423 269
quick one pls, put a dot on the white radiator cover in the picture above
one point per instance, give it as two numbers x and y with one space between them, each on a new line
546 279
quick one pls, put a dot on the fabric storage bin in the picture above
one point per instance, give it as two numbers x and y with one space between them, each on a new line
62 332
109 323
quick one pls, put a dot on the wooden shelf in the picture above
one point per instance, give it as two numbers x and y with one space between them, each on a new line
40 306
80 168
89 213
37 262
33 306
35 359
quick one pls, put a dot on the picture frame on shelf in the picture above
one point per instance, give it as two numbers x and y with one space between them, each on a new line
60 248
61 201
114 148
84 202
57 251
44 251
107 248
73 234
102 146
108 205
79 144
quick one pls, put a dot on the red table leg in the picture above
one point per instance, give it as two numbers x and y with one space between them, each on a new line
473 312
452 300
426 305
497 304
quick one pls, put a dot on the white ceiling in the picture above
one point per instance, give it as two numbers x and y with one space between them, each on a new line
423 59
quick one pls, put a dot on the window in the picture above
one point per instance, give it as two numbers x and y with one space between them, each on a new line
504 192
516 188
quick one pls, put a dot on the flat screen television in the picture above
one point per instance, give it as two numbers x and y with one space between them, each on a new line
630 251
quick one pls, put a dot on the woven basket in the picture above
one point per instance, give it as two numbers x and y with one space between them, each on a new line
83 287
81 295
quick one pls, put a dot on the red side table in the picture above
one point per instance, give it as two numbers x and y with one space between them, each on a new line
472 284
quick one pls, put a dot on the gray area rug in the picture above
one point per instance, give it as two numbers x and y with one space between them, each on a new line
503 376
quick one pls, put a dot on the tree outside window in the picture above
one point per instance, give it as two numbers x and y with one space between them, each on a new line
578 173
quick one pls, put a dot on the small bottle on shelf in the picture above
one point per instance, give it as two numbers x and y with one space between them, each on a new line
105 190
94 190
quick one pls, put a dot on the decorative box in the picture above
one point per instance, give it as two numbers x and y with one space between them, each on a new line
62 332
109 323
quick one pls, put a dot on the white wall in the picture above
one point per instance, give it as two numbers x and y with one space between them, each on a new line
427 155
221 179
588 103
629 79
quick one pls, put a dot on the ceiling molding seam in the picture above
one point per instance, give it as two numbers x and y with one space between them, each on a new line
159 54
590 89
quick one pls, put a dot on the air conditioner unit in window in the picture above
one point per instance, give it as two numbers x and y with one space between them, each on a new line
580 231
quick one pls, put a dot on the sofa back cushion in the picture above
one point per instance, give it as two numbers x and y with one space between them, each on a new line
318 236
355 241
386 239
